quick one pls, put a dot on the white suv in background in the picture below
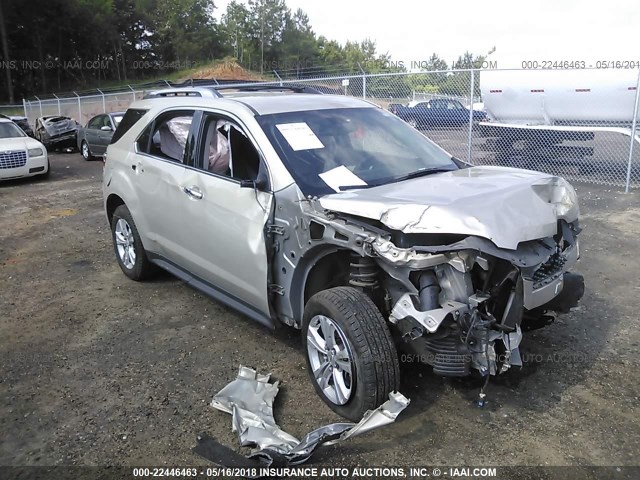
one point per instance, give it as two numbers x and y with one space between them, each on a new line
20 155
331 215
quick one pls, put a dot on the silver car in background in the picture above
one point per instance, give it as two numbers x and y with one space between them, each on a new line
95 136
328 214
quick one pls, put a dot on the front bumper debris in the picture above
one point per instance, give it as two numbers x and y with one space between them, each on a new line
249 399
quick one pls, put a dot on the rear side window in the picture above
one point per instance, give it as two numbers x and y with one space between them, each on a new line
130 118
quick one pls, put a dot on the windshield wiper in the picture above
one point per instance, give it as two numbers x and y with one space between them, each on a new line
422 173
354 187
418 173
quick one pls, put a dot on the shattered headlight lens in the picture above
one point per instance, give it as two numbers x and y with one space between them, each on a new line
35 152
566 199
560 193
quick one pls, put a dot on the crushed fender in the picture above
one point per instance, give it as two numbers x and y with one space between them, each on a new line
249 399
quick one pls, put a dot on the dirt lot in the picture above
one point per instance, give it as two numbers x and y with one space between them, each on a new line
96 369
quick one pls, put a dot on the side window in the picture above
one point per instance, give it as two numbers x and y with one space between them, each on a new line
130 118
106 121
95 122
227 150
167 136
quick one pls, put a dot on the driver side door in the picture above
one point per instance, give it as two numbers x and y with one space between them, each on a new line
225 215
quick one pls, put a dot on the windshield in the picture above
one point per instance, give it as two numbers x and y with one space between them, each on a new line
329 151
10 130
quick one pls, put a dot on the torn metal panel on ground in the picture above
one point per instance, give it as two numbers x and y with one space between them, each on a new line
249 399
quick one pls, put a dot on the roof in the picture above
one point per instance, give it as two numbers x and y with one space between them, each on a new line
5 120
261 103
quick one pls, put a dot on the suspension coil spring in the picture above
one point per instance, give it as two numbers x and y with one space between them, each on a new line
364 272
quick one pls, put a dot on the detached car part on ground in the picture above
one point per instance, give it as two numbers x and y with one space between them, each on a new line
56 131
20 155
333 216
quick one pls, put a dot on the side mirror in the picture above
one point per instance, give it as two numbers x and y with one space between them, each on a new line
260 184
106 129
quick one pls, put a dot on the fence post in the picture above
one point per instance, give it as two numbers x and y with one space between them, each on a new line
24 107
104 105
364 82
59 110
471 92
40 102
633 133
280 79
133 92
79 108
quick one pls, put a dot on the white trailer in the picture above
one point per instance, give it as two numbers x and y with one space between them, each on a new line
547 113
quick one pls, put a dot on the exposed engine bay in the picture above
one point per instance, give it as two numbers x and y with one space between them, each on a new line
455 301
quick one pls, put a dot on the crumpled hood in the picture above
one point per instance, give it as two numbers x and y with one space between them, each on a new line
504 205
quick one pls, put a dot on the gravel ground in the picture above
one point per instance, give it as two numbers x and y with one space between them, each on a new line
98 370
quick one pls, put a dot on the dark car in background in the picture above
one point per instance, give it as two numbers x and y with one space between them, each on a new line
93 139
56 131
437 112
22 122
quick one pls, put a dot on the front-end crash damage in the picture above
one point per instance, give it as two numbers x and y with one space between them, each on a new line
456 298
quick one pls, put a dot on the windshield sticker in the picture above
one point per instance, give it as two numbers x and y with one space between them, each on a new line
341 177
300 136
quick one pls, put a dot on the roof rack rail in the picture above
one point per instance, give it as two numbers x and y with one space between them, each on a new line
211 90
258 88
183 92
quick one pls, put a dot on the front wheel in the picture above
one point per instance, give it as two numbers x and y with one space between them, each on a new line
84 150
351 358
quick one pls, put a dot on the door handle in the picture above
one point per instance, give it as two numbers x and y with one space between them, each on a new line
193 192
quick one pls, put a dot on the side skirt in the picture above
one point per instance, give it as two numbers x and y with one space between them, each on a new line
212 291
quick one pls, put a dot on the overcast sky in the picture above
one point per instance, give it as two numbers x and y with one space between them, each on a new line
520 30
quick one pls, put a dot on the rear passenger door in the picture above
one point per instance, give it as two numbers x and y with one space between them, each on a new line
157 170
225 215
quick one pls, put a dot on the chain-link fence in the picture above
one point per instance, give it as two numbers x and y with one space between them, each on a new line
12 110
580 124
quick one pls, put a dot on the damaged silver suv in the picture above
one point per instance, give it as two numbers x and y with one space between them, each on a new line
333 216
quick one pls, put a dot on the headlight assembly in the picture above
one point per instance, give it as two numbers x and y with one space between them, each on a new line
35 152
559 193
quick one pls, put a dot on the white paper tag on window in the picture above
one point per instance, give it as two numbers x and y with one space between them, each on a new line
300 136
341 177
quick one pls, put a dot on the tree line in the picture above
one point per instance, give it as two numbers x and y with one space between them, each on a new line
61 45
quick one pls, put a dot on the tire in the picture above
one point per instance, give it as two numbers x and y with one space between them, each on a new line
126 241
85 151
363 368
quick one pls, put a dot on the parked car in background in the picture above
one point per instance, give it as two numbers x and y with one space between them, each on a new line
22 122
56 131
20 155
93 139
437 112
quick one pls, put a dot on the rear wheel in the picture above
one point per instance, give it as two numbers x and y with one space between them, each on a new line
351 358
84 150
128 246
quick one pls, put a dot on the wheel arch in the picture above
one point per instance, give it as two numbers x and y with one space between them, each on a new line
113 202
323 267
